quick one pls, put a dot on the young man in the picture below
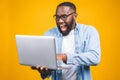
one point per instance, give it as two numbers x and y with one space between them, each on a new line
78 45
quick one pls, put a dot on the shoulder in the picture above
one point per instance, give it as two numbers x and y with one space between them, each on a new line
51 32
84 27
88 29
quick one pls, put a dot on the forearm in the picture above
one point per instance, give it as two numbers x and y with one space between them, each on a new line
87 58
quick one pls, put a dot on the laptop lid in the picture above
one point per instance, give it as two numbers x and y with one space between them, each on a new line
36 50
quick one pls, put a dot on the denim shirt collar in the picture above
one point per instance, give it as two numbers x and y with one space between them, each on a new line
60 38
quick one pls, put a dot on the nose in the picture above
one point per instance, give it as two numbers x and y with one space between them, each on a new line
60 21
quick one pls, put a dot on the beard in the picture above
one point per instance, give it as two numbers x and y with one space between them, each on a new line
69 28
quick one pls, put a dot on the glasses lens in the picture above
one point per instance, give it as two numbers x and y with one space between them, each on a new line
63 17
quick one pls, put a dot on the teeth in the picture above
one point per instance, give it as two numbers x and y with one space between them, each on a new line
63 28
62 25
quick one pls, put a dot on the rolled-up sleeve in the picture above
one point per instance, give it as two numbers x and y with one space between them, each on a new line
92 52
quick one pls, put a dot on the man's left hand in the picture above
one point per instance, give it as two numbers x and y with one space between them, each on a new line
62 57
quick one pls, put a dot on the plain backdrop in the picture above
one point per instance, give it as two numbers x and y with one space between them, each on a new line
34 17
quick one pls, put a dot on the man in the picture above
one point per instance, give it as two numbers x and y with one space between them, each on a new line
77 45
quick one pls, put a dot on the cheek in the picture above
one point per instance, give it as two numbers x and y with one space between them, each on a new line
69 20
57 23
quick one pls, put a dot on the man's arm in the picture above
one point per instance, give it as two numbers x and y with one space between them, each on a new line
91 55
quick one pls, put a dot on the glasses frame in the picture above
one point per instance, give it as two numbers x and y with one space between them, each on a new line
63 17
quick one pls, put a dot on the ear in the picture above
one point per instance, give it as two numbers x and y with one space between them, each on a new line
75 15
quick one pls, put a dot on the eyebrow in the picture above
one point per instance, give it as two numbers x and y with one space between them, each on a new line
66 14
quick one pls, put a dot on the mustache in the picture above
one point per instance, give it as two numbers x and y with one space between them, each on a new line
62 24
69 28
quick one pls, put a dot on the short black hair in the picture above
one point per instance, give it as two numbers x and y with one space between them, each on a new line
69 4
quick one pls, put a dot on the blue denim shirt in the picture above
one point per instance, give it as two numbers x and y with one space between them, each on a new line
87 49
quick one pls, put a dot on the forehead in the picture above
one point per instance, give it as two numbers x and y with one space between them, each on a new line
64 10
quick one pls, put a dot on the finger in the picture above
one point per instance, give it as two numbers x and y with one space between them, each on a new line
38 66
59 57
42 68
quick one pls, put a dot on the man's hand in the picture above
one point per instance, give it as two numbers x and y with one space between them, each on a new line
62 57
42 70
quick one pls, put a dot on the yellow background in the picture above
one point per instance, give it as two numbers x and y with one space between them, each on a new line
34 17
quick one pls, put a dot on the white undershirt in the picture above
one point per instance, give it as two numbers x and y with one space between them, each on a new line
68 44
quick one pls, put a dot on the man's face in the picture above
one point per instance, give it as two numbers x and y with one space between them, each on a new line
64 19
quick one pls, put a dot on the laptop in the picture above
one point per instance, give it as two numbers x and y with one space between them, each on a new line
36 50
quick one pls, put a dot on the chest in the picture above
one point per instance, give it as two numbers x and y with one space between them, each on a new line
77 43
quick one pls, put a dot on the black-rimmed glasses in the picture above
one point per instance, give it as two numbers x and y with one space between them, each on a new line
63 17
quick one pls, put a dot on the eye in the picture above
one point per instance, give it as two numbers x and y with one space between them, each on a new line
64 16
57 17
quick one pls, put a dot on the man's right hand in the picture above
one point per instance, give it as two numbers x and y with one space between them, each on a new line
44 72
41 69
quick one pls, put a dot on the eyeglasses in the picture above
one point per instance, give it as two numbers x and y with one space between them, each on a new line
63 17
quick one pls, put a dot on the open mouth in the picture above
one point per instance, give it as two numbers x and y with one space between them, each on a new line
63 27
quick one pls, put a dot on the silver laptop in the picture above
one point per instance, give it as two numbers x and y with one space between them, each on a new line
36 50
